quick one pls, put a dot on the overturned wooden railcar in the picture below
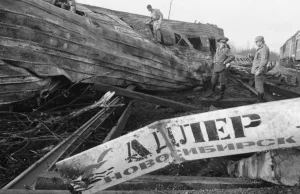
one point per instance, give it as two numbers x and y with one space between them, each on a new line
97 46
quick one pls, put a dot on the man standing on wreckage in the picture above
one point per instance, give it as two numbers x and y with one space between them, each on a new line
259 66
155 21
222 57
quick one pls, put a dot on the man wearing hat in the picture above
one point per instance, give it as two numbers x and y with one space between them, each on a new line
222 57
156 19
259 66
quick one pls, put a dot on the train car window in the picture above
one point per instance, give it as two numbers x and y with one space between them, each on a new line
213 45
177 38
180 41
196 42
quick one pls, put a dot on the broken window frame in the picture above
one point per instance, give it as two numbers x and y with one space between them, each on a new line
212 44
182 41
198 46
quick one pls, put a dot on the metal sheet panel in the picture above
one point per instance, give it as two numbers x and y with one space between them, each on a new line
232 131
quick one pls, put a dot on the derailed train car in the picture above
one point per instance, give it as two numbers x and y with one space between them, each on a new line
290 52
43 46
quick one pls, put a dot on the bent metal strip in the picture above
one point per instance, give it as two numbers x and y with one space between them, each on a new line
252 128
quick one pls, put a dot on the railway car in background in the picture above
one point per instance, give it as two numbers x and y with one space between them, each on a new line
290 52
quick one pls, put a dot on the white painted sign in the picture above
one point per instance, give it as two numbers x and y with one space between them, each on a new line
232 131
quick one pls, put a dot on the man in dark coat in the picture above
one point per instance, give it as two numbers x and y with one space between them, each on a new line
222 57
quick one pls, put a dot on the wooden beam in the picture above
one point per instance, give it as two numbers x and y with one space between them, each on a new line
268 97
50 180
120 125
248 87
23 191
149 182
228 102
254 190
280 90
145 97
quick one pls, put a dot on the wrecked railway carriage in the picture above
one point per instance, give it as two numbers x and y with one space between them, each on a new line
290 52
43 47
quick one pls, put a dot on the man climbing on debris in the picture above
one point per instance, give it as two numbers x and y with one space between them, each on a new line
65 4
155 21
259 66
222 57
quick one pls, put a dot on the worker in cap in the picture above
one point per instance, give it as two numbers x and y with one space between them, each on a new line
155 22
259 66
222 57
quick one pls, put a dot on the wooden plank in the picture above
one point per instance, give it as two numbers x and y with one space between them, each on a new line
240 130
53 181
20 191
145 97
284 92
120 125
246 191
247 86
268 97
228 102
184 183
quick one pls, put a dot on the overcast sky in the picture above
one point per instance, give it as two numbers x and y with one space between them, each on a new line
241 20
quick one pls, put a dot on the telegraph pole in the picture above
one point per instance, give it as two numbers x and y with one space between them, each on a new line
170 8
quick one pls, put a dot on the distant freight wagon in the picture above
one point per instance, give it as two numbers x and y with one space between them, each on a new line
290 52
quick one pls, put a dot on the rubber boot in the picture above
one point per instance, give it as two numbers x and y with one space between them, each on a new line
221 95
213 88
260 97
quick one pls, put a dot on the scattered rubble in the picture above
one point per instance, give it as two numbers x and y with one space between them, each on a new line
40 131
54 108
281 167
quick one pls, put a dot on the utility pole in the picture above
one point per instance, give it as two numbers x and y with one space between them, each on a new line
170 8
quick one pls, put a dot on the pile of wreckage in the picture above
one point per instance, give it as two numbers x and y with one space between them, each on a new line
59 63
